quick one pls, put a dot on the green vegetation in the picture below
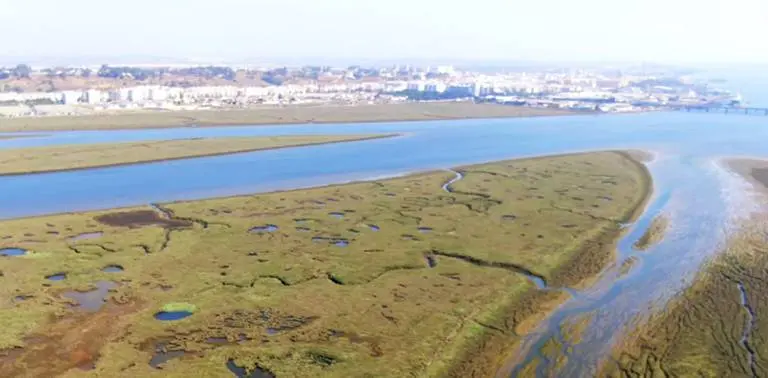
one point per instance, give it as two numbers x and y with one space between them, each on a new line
179 306
275 115
388 278
82 156
627 265
654 233
700 332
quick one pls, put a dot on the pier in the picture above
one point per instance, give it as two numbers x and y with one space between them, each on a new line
722 109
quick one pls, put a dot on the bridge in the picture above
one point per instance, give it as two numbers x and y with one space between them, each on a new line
713 108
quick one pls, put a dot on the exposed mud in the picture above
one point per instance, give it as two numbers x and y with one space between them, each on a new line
140 218
69 342
253 372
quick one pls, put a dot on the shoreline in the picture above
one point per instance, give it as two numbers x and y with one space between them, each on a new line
546 301
113 165
416 173
276 116
724 297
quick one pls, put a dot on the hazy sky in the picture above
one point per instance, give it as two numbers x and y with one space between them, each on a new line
540 30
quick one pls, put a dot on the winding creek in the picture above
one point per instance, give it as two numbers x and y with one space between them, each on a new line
691 189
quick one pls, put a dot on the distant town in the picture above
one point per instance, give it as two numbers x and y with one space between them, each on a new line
27 91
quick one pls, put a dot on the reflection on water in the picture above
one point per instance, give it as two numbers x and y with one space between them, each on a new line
427 145
92 300
688 191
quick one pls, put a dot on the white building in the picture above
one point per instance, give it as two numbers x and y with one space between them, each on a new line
71 97
416 86
93 96
437 87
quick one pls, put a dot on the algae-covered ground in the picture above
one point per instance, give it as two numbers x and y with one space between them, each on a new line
402 277
82 156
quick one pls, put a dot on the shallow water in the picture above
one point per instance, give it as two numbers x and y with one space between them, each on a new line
56 277
265 228
12 252
112 269
92 300
172 315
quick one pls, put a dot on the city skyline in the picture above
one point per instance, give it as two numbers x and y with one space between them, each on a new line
683 32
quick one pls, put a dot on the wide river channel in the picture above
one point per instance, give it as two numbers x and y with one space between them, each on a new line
697 194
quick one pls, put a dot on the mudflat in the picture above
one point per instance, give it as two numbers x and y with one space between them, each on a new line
84 156
713 328
275 115
428 275
754 171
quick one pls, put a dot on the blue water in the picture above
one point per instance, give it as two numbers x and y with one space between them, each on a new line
172 315
265 228
12 252
426 145
112 269
57 277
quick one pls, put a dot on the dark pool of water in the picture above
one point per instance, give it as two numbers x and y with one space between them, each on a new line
374 227
56 277
425 230
92 300
242 372
162 355
172 315
337 215
12 252
341 243
113 269
265 228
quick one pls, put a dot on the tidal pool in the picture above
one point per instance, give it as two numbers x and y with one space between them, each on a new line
172 315
56 277
265 228
92 300
12 252
112 269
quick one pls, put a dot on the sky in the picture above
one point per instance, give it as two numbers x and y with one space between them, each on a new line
661 31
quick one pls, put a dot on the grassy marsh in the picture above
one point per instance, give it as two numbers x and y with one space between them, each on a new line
654 234
275 115
332 281
83 156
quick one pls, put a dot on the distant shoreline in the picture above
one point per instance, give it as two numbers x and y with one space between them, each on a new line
291 115
195 156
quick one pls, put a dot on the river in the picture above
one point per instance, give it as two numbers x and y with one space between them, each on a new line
691 189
